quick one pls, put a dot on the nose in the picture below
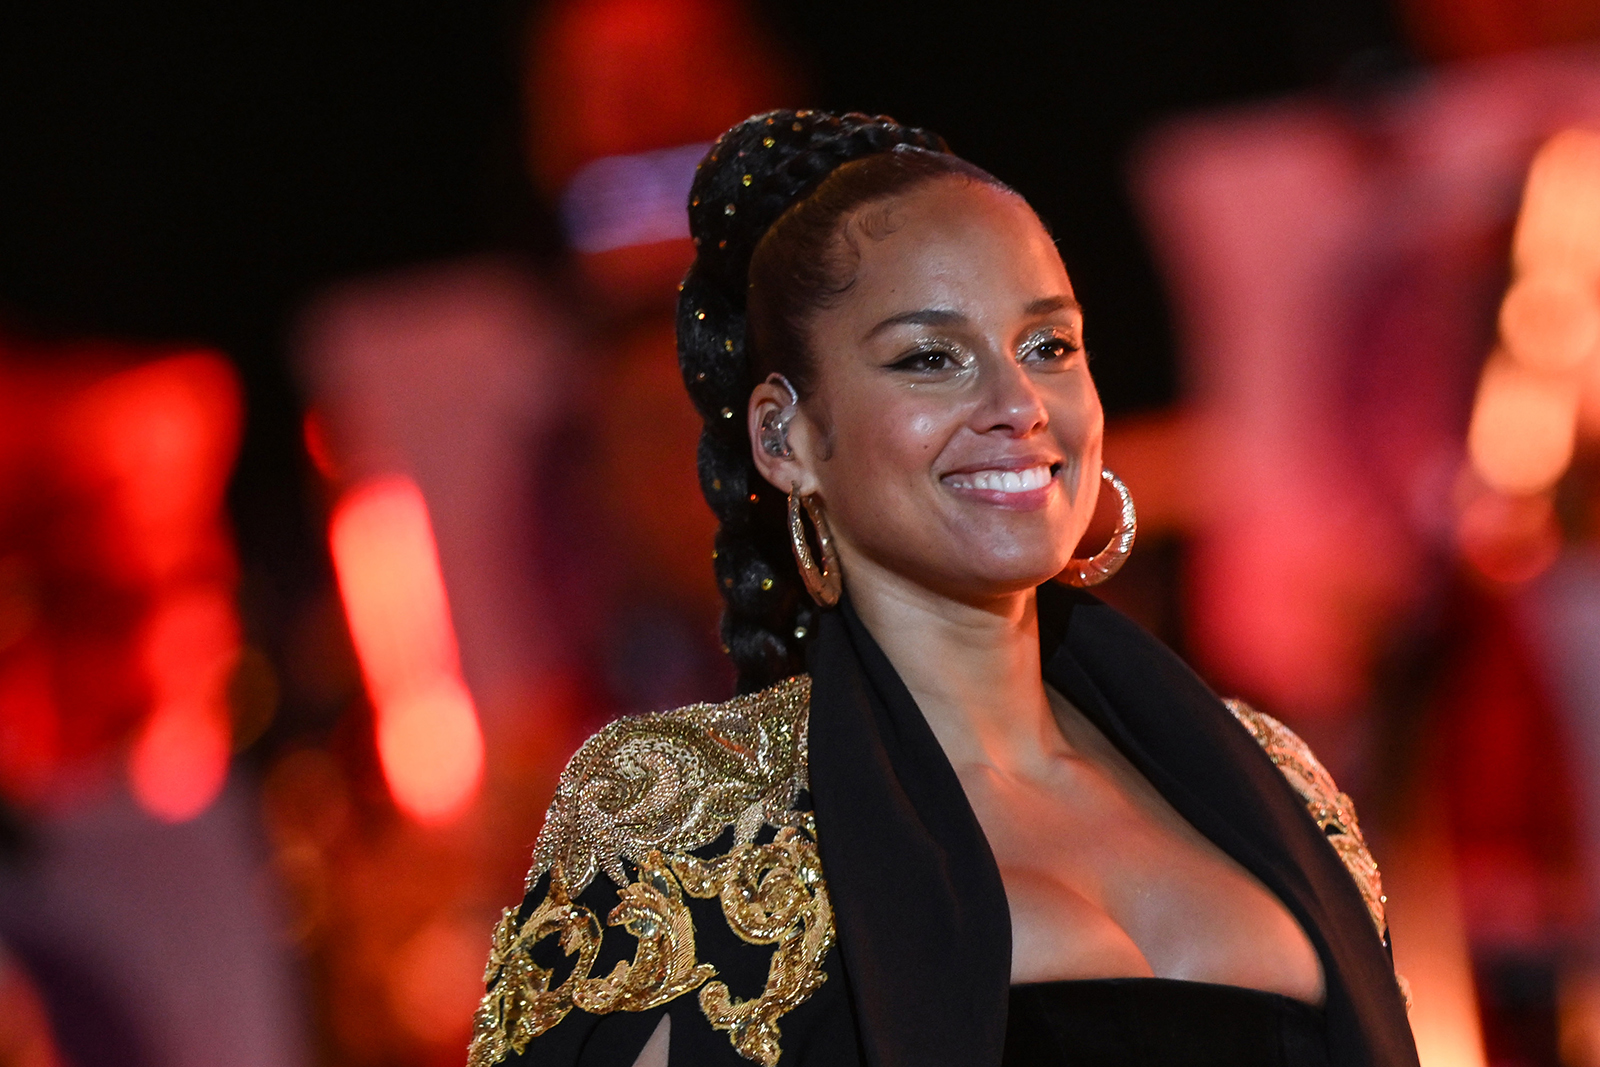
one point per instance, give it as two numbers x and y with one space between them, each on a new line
1011 401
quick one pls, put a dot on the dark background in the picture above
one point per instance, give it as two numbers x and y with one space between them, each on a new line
196 170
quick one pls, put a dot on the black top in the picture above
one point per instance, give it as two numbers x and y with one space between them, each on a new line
918 972
1137 1022
924 926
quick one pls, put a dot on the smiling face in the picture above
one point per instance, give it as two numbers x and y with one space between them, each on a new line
952 431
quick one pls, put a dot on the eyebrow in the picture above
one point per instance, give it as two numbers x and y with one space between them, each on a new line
1048 305
1045 305
925 317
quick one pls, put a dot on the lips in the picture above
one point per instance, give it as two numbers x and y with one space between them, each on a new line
1027 480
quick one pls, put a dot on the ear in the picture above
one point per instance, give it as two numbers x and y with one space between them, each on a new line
773 401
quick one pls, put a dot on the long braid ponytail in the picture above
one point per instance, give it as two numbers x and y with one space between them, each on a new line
760 172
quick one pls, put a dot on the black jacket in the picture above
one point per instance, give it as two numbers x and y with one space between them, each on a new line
898 955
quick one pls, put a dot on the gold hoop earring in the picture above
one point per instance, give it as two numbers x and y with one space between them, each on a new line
1109 560
824 583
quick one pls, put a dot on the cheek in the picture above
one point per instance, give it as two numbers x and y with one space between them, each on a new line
923 432
1082 400
899 437
1078 424
1077 417
878 483
912 438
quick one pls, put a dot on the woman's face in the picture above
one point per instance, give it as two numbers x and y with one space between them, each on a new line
953 433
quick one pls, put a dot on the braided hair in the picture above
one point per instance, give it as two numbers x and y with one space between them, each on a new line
765 211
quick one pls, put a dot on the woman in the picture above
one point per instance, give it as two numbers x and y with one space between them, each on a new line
962 815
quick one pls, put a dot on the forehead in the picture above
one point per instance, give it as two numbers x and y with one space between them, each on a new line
953 243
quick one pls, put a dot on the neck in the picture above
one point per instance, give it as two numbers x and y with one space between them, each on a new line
973 668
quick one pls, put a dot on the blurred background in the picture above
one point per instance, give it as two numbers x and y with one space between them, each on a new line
346 482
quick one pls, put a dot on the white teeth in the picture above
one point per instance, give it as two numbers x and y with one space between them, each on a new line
999 481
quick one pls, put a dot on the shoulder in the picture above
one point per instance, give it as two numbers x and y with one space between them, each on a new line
663 826
1332 810
674 781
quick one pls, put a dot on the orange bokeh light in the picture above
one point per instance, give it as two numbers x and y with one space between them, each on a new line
1550 322
1589 400
1521 436
431 748
1538 390
1559 228
435 981
1509 539
387 564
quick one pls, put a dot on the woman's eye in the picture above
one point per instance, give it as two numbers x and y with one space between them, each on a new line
1054 350
927 361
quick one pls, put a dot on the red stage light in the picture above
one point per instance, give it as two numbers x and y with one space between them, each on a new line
179 761
154 445
30 727
316 442
429 741
117 625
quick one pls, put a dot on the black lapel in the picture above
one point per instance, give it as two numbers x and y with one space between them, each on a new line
924 928
1183 740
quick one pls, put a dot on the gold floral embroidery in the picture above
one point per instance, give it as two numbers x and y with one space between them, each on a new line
1334 812
674 781
646 792
664 967
520 1004
771 895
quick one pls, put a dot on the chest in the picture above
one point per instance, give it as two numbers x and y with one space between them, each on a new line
1105 879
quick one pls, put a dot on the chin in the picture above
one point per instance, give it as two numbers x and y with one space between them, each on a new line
1007 555
988 575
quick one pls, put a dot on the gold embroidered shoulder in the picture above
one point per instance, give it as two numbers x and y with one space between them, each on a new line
1334 812
636 802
